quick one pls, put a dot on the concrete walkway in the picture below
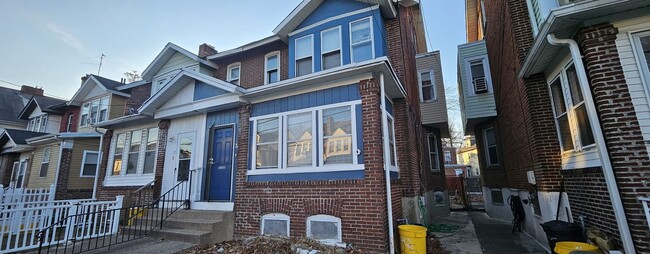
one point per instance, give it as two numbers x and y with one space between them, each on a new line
480 234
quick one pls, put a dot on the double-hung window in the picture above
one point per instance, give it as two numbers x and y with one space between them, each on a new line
427 88
134 152
571 118
304 55
234 72
361 45
434 162
320 138
272 68
45 162
120 141
38 124
68 127
89 163
477 76
150 150
491 151
94 111
331 48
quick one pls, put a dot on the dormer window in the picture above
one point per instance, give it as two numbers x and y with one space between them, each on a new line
234 71
361 40
304 55
37 124
331 48
272 67
94 111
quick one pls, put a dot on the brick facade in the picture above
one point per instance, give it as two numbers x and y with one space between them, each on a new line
252 64
62 191
74 111
139 95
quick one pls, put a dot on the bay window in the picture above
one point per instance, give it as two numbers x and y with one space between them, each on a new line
331 48
94 111
315 139
117 154
361 47
304 55
150 150
134 152
38 124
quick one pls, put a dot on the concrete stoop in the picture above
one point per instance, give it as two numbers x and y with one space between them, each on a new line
200 227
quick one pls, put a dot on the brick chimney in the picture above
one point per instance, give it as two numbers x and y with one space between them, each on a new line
206 50
31 90
84 78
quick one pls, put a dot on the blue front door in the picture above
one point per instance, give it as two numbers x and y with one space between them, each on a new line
221 169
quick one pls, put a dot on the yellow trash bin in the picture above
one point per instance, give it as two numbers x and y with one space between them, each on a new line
413 239
568 247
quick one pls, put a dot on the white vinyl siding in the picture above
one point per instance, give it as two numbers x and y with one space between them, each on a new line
433 111
474 105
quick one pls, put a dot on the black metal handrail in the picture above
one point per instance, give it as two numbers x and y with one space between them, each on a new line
90 230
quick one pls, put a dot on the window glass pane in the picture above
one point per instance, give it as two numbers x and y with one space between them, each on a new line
489 136
586 134
331 60
90 164
476 67
360 30
565 133
152 139
324 230
267 156
267 130
558 97
134 152
267 143
273 76
299 139
136 140
275 227
149 161
303 66
362 52
185 148
304 47
427 86
272 62
331 40
184 158
494 157
574 86
234 73
183 172
645 45
391 142
94 110
337 135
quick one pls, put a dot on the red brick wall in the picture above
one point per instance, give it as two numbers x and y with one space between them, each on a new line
62 191
74 111
252 64
139 94
620 125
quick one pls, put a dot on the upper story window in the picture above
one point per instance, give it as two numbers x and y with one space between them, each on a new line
491 153
361 47
94 111
477 76
427 88
448 159
304 55
569 109
234 71
37 124
289 141
434 162
331 48
68 127
272 67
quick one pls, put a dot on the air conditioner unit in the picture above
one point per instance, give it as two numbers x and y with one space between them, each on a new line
90 121
480 85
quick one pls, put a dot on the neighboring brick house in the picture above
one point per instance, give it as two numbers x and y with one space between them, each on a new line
296 131
571 85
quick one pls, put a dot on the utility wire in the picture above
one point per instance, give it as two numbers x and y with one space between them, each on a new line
19 86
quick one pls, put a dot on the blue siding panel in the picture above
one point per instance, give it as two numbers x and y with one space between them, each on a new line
203 90
356 174
331 8
307 100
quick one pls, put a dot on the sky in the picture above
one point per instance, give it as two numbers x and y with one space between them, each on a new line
51 44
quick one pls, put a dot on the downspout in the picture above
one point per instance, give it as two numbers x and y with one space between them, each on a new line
99 159
384 130
608 171
58 168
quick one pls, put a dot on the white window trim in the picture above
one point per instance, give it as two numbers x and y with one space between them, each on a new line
644 70
436 152
42 118
488 162
486 71
233 66
326 218
125 155
285 140
191 135
282 168
433 85
372 38
22 172
40 169
83 162
393 168
266 69
275 216
311 38
99 109
560 73
340 48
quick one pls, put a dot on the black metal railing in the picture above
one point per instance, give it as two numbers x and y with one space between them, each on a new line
87 230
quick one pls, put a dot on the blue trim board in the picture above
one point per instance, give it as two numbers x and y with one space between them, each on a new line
203 90
337 175
307 100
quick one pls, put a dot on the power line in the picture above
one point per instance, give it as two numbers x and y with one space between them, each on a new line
19 86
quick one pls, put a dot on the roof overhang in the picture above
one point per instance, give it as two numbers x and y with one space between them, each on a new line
370 69
87 86
17 149
48 138
125 121
564 22
28 109
255 44
151 105
132 85
67 135
306 7
166 54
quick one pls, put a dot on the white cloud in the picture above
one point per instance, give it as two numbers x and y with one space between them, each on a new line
67 38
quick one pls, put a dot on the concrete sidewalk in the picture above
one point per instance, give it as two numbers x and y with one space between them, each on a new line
480 234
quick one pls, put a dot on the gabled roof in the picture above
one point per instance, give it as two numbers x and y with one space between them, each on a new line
306 7
18 137
108 85
46 104
166 54
183 77
12 103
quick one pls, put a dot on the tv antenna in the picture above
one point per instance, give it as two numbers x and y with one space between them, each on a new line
101 59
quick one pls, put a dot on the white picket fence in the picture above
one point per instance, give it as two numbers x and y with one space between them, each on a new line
64 221
646 208
26 197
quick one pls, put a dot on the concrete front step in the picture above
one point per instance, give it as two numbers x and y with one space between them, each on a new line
193 226
181 223
183 235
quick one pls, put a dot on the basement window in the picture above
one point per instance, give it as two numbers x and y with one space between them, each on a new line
324 228
497 196
275 224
